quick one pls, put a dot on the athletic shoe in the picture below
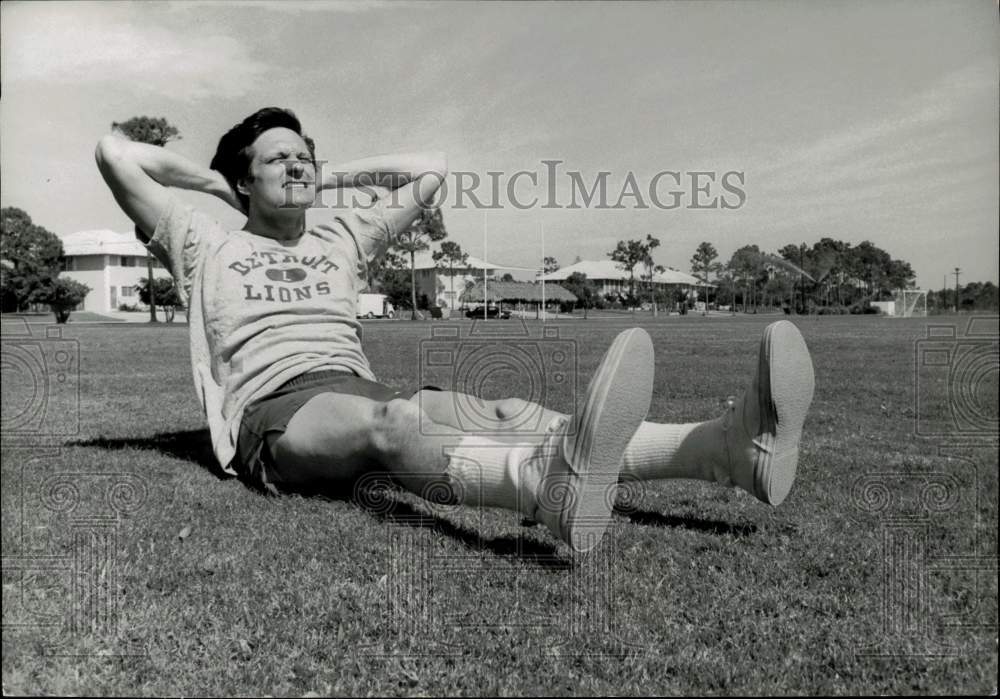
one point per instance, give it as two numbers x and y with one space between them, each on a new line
577 489
763 428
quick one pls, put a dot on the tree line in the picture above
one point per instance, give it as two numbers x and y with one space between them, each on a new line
828 276
974 296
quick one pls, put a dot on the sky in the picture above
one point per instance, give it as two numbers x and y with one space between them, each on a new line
850 120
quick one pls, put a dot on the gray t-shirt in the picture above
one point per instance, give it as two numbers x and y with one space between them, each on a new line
262 311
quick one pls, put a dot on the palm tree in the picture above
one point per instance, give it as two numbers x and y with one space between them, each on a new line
630 253
745 265
703 264
449 256
427 228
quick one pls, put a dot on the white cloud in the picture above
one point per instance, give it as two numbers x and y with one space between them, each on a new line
82 44
908 133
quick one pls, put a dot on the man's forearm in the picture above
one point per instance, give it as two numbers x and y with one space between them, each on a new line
166 167
389 171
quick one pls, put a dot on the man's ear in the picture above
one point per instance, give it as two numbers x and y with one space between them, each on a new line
241 185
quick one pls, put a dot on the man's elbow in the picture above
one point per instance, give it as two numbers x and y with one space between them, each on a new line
434 163
109 149
433 175
440 163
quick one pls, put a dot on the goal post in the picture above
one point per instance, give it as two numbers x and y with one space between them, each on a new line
911 302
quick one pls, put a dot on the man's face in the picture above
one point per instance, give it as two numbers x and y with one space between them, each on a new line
282 172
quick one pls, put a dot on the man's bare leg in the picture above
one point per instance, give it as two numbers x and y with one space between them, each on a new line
508 420
564 477
754 445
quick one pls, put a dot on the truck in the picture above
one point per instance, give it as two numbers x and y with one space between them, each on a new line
375 306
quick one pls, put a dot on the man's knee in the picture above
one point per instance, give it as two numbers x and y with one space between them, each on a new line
510 408
391 425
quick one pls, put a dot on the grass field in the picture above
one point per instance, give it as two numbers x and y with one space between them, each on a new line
131 567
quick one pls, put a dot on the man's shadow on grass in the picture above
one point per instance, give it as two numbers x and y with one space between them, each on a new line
195 446
631 493
382 502
710 526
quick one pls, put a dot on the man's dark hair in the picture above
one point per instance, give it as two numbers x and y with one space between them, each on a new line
233 156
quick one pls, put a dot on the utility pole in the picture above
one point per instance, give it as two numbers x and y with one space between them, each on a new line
543 272
957 270
802 283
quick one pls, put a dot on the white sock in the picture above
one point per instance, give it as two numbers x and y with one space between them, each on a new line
495 474
691 450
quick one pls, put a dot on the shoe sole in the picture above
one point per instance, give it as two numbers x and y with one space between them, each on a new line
617 402
786 369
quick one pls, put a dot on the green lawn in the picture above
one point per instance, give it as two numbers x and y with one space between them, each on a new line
877 575
47 318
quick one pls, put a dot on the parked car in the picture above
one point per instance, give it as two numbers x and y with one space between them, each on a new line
492 311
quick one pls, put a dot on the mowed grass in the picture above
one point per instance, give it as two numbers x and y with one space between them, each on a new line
132 567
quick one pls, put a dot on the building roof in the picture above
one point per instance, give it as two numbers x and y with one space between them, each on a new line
101 242
674 276
517 291
608 269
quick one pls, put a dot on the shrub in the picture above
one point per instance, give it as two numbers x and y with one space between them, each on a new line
62 296
164 289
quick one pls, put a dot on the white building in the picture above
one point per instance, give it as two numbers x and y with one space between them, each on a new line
441 286
111 264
